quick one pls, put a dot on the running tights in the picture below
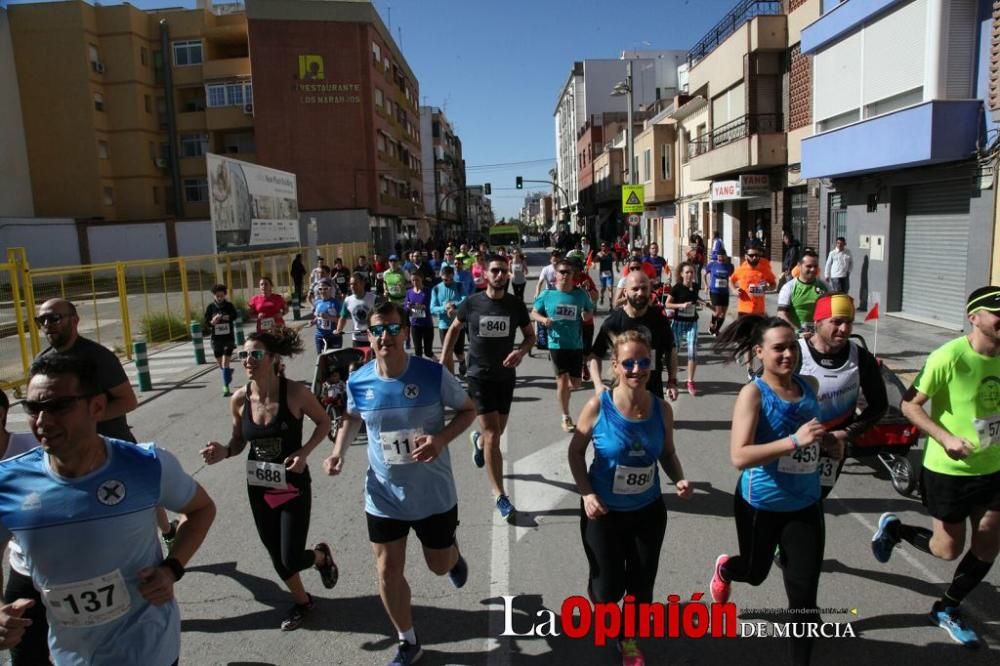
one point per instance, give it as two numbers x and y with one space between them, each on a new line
283 530
623 549
34 646
802 536
519 290
423 340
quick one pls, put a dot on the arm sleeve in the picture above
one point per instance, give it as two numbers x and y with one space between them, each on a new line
437 308
463 311
351 406
522 316
785 295
176 486
208 316
109 369
539 304
829 263
601 340
873 388
452 393
934 375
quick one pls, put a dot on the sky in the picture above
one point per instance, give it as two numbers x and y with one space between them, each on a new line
497 67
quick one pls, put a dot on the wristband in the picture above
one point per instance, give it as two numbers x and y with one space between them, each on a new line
176 568
795 442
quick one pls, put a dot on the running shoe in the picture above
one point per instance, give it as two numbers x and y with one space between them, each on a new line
949 619
171 536
297 615
883 540
779 557
226 392
478 458
408 653
586 374
328 571
719 587
459 573
692 389
462 368
631 654
567 423
506 509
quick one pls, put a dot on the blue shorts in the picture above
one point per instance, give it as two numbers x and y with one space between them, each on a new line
686 336
607 281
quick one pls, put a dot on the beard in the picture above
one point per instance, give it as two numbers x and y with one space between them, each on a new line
638 302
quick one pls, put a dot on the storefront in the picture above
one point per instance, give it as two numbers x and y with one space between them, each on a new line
743 209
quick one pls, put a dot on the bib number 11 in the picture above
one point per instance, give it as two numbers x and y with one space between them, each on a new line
397 446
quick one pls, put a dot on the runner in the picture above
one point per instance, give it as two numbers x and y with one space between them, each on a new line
109 599
683 300
562 311
797 298
637 315
418 308
395 280
659 264
479 272
267 414
633 265
606 266
358 306
268 307
623 518
445 299
317 273
409 482
326 317
583 281
775 442
717 274
464 277
518 274
341 277
961 470
220 322
492 318
752 280
367 270
547 276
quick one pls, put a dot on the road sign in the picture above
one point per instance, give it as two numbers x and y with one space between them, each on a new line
634 220
633 199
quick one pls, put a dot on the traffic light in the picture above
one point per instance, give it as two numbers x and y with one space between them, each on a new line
519 183
487 189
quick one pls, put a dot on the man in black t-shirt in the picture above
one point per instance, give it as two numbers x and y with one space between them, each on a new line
637 315
492 318
341 277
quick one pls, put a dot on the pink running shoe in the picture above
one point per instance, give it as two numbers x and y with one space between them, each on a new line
719 587
631 654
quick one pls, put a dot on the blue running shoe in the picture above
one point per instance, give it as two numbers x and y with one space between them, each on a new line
883 541
505 508
478 458
949 619
459 573
408 653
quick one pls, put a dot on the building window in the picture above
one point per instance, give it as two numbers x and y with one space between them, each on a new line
109 196
147 102
387 63
234 94
665 161
187 53
239 142
798 215
380 141
158 67
376 53
95 57
194 145
229 94
143 56
379 98
195 190
216 95
102 150
646 164
98 102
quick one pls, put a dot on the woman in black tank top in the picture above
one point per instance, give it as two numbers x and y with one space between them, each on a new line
267 417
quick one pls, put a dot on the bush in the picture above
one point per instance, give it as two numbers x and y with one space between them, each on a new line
164 327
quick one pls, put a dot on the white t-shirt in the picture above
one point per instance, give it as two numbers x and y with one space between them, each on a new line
19 442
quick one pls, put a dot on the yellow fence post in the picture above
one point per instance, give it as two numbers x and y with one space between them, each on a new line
182 267
123 302
19 317
19 257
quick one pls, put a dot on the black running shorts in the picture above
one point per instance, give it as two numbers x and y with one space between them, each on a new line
952 499
719 299
223 347
567 362
491 396
435 532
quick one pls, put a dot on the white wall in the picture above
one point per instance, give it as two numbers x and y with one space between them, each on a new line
47 241
194 238
124 242
15 180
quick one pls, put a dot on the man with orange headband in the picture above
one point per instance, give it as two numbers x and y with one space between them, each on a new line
961 472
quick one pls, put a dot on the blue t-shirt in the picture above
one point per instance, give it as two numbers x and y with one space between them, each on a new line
465 278
441 295
565 309
84 540
396 411
718 276
791 482
626 456
329 306
657 262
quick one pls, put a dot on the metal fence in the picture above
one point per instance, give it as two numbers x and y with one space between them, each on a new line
154 300
730 23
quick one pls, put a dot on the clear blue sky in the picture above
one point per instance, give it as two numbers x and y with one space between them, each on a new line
496 68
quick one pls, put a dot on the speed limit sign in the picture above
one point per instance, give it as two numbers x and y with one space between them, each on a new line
634 220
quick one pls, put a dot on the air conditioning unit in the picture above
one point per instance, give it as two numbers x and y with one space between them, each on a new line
99 67
248 108
160 162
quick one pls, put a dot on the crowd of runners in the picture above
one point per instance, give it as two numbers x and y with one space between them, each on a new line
811 392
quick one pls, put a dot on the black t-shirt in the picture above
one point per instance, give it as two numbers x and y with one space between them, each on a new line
341 276
492 325
110 374
652 323
606 262
681 294
227 309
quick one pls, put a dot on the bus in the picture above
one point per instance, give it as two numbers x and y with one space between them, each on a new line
505 235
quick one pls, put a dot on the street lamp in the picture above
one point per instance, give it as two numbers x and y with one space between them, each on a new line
625 88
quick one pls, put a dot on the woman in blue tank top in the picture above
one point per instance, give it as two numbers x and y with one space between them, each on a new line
776 441
623 518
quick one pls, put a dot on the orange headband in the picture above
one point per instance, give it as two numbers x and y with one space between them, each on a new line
834 305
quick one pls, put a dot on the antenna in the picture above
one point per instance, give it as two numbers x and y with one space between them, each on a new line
399 31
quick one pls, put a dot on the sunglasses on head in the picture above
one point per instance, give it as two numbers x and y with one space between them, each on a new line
378 329
53 317
53 406
630 363
255 354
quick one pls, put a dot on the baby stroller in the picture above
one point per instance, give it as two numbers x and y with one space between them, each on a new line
332 395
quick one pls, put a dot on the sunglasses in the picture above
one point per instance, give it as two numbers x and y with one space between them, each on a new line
630 363
256 354
54 406
53 317
753 256
565 272
378 329
498 271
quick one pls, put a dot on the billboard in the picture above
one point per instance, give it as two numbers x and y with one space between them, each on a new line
251 205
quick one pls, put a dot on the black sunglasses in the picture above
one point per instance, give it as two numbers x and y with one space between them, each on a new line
378 329
255 354
54 317
498 271
565 272
629 364
54 406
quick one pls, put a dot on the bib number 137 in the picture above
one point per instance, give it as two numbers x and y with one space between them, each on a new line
89 603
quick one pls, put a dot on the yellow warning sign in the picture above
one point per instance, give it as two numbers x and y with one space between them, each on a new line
633 199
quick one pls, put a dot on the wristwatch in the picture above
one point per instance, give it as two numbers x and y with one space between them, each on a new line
176 568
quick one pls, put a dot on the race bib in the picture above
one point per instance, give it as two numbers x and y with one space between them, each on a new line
606 274
222 328
565 313
324 324
633 480
89 603
756 290
398 445
802 461
341 279
418 312
494 326
988 430
687 311
395 289
827 471
720 283
267 323
266 475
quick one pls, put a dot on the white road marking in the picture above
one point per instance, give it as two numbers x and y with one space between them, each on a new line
551 464
498 651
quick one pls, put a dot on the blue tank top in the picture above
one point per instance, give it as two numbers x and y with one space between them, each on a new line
626 453
791 482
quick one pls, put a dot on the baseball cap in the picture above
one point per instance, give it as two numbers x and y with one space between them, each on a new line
984 298
326 282
393 257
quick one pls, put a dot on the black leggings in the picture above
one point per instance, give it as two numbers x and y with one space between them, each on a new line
34 646
623 549
519 290
423 340
802 536
283 530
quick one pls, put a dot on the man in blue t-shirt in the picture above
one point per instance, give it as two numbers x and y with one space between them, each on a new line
82 508
659 265
409 482
717 274
562 311
326 317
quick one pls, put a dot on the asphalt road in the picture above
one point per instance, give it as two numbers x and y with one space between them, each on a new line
232 604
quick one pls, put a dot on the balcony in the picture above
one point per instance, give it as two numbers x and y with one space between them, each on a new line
730 23
226 68
745 143
938 131
227 117
190 121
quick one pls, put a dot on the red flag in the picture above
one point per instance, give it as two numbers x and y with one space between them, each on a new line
873 313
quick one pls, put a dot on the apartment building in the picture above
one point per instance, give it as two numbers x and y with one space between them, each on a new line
655 160
898 108
599 221
132 100
479 212
444 184
15 179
